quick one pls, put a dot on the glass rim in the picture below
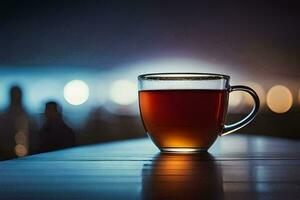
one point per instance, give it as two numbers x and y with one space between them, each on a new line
183 76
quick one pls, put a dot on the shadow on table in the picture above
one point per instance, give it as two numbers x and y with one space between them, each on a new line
182 176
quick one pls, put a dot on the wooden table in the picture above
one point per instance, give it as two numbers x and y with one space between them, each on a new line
238 167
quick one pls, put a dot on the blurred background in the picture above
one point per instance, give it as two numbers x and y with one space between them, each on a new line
68 69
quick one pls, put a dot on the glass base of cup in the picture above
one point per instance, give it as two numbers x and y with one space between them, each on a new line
183 150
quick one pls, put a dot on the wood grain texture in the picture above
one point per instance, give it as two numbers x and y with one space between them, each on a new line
236 167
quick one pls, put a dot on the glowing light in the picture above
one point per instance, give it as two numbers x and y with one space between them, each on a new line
260 92
241 147
76 92
101 93
20 138
21 150
279 99
181 150
235 99
38 95
123 92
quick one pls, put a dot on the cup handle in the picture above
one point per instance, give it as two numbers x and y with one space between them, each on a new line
233 127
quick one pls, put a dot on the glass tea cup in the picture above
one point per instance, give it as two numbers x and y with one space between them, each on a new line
185 112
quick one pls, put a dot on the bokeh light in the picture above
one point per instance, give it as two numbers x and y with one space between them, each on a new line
235 99
76 92
21 150
21 138
123 92
279 99
101 93
260 92
43 90
239 100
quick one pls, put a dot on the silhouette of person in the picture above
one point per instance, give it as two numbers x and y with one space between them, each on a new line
96 128
16 105
14 127
55 133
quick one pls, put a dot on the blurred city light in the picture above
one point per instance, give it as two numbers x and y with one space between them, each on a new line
21 150
101 93
175 64
43 90
76 92
235 101
123 92
279 99
260 92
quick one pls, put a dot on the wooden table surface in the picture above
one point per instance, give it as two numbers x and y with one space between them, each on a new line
237 167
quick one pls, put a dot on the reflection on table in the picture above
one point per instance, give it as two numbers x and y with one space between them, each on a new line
182 176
